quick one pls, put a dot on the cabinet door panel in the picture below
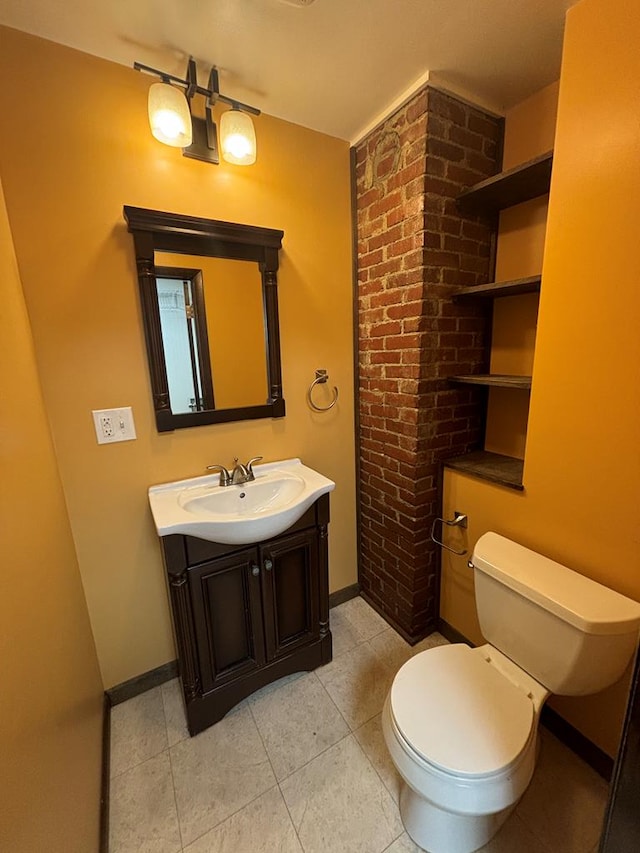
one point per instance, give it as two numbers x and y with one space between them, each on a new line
225 596
290 592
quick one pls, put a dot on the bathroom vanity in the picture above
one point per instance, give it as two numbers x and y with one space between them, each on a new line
246 615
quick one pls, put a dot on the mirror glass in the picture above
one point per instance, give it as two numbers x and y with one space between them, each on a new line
213 333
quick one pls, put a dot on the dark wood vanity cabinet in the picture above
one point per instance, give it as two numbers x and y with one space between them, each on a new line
247 615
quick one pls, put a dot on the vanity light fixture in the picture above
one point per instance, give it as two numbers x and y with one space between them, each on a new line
172 120
237 137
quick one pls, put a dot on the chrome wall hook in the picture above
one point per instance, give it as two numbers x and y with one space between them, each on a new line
321 378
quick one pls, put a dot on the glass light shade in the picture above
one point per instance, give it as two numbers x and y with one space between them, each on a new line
237 138
169 115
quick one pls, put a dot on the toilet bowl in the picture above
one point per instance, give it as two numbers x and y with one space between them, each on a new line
458 790
461 724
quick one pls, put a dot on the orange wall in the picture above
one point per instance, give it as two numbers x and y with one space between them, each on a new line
50 687
582 465
82 151
529 132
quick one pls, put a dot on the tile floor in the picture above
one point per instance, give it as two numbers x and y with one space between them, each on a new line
301 767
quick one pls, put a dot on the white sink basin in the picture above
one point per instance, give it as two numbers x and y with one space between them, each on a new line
238 515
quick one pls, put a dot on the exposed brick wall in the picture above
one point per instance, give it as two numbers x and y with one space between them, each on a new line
413 249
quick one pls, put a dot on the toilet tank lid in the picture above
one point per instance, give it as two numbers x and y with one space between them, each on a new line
578 600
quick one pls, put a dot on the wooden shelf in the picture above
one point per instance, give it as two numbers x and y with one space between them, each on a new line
500 288
495 380
504 470
522 183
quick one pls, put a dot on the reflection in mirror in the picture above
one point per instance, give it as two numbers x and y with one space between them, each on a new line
184 338
213 326
208 291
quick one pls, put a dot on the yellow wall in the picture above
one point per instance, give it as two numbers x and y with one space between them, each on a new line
82 150
582 465
50 688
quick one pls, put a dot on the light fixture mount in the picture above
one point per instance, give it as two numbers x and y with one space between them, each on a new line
203 144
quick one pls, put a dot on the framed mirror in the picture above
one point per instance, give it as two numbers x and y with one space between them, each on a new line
209 299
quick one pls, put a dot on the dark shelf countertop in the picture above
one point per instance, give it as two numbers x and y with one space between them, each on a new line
495 380
522 183
494 467
495 289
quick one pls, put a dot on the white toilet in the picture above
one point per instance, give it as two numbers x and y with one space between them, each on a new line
461 723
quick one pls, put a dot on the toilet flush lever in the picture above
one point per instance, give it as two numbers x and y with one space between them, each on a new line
458 520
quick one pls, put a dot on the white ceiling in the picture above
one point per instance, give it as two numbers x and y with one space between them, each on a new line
333 65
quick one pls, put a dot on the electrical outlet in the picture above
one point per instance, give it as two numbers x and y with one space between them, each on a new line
106 426
114 425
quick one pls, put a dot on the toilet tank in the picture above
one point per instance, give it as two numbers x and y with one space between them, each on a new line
570 633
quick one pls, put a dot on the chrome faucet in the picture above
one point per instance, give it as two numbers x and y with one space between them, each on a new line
225 476
240 474
243 473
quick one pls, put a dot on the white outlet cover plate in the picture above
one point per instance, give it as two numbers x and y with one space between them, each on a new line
113 425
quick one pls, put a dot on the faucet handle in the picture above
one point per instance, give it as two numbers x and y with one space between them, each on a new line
249 466
225 476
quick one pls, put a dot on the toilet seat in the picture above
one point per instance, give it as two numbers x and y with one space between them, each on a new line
451 689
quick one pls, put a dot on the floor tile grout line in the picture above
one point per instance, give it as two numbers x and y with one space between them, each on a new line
346 651
148 757
373 765
396 805
322 752
544 847
286 805
539 839
331 699
382 662
357 630
349 733
353 731
264 746
233 814
402 832
270 788
139 764
173 781
365 639
175 799
307 763
302 766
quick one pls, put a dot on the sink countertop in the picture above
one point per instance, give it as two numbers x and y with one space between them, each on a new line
238 514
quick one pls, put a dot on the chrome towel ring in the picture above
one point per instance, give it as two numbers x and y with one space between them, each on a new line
321 378
459 520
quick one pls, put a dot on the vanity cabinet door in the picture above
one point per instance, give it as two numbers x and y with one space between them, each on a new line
225 596
290 592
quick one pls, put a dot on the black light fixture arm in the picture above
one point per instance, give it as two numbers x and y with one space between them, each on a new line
191 87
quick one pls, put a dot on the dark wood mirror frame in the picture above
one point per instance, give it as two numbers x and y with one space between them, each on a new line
155 231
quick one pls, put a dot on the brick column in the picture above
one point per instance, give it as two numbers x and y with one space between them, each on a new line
413 249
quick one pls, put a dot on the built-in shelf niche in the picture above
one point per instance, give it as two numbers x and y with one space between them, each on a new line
522 183
513 186
497 289
496 380
504 470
